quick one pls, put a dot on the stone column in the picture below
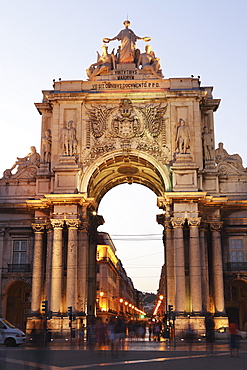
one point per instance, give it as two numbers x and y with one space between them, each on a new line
204 265
179 270
169 263
94 222
57 265
48 264
2 234
71 287
195 266
37 278
217 268
83 267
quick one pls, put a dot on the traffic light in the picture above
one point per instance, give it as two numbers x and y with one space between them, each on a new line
170 307
44 306
70 313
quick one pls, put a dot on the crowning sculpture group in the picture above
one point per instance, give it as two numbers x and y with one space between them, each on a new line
126 53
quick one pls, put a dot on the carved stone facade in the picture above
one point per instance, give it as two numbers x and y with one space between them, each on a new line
125 124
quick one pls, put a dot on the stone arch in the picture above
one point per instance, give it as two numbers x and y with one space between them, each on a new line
18 302
117 168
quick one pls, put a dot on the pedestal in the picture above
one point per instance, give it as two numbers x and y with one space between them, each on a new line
66 175
184 173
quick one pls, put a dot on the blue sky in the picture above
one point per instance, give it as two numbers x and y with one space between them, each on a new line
42 41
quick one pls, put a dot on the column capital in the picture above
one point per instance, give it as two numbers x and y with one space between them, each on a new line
56 223
2 231
177 222
38 228
167 224
73 223
194 221
215 225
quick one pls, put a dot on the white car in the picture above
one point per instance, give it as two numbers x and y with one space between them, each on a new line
223 333
9 335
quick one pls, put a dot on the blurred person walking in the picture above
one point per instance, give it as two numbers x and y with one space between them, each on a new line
210 335
234 340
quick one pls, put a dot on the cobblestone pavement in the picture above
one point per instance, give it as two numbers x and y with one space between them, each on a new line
136 355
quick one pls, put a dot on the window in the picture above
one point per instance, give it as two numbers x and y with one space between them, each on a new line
232 293
20 249
236 250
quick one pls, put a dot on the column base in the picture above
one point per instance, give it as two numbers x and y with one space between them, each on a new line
196 322
220 321
58 327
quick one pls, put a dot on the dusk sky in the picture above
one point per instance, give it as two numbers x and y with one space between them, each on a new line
42 41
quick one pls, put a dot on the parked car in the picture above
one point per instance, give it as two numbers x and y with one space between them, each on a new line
223 333
9 335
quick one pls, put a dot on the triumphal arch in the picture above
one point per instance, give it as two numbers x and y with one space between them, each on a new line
127 123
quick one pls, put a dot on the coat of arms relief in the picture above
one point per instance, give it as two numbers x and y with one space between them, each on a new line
127 126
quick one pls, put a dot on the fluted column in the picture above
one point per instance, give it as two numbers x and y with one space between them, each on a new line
169 263
180 289
71 287
217 268
37 277
57 265
195 266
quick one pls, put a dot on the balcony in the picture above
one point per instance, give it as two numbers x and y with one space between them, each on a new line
236 266
19 267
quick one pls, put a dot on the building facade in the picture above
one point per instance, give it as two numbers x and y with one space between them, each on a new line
116 295
126 124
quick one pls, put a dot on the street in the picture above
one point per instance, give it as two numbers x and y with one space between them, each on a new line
139 355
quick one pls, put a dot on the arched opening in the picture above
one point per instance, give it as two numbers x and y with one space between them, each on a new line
130 219
18 303
236 303
108 174
122 168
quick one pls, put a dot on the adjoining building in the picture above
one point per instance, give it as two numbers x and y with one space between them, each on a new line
126 124
116 295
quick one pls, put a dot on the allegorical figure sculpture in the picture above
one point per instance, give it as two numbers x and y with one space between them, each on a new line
103 65
128 40
149 62
32 158
46 147
208 144
182 137
69 140
222 156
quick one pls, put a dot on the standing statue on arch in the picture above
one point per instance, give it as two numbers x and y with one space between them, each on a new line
182 137
69 140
